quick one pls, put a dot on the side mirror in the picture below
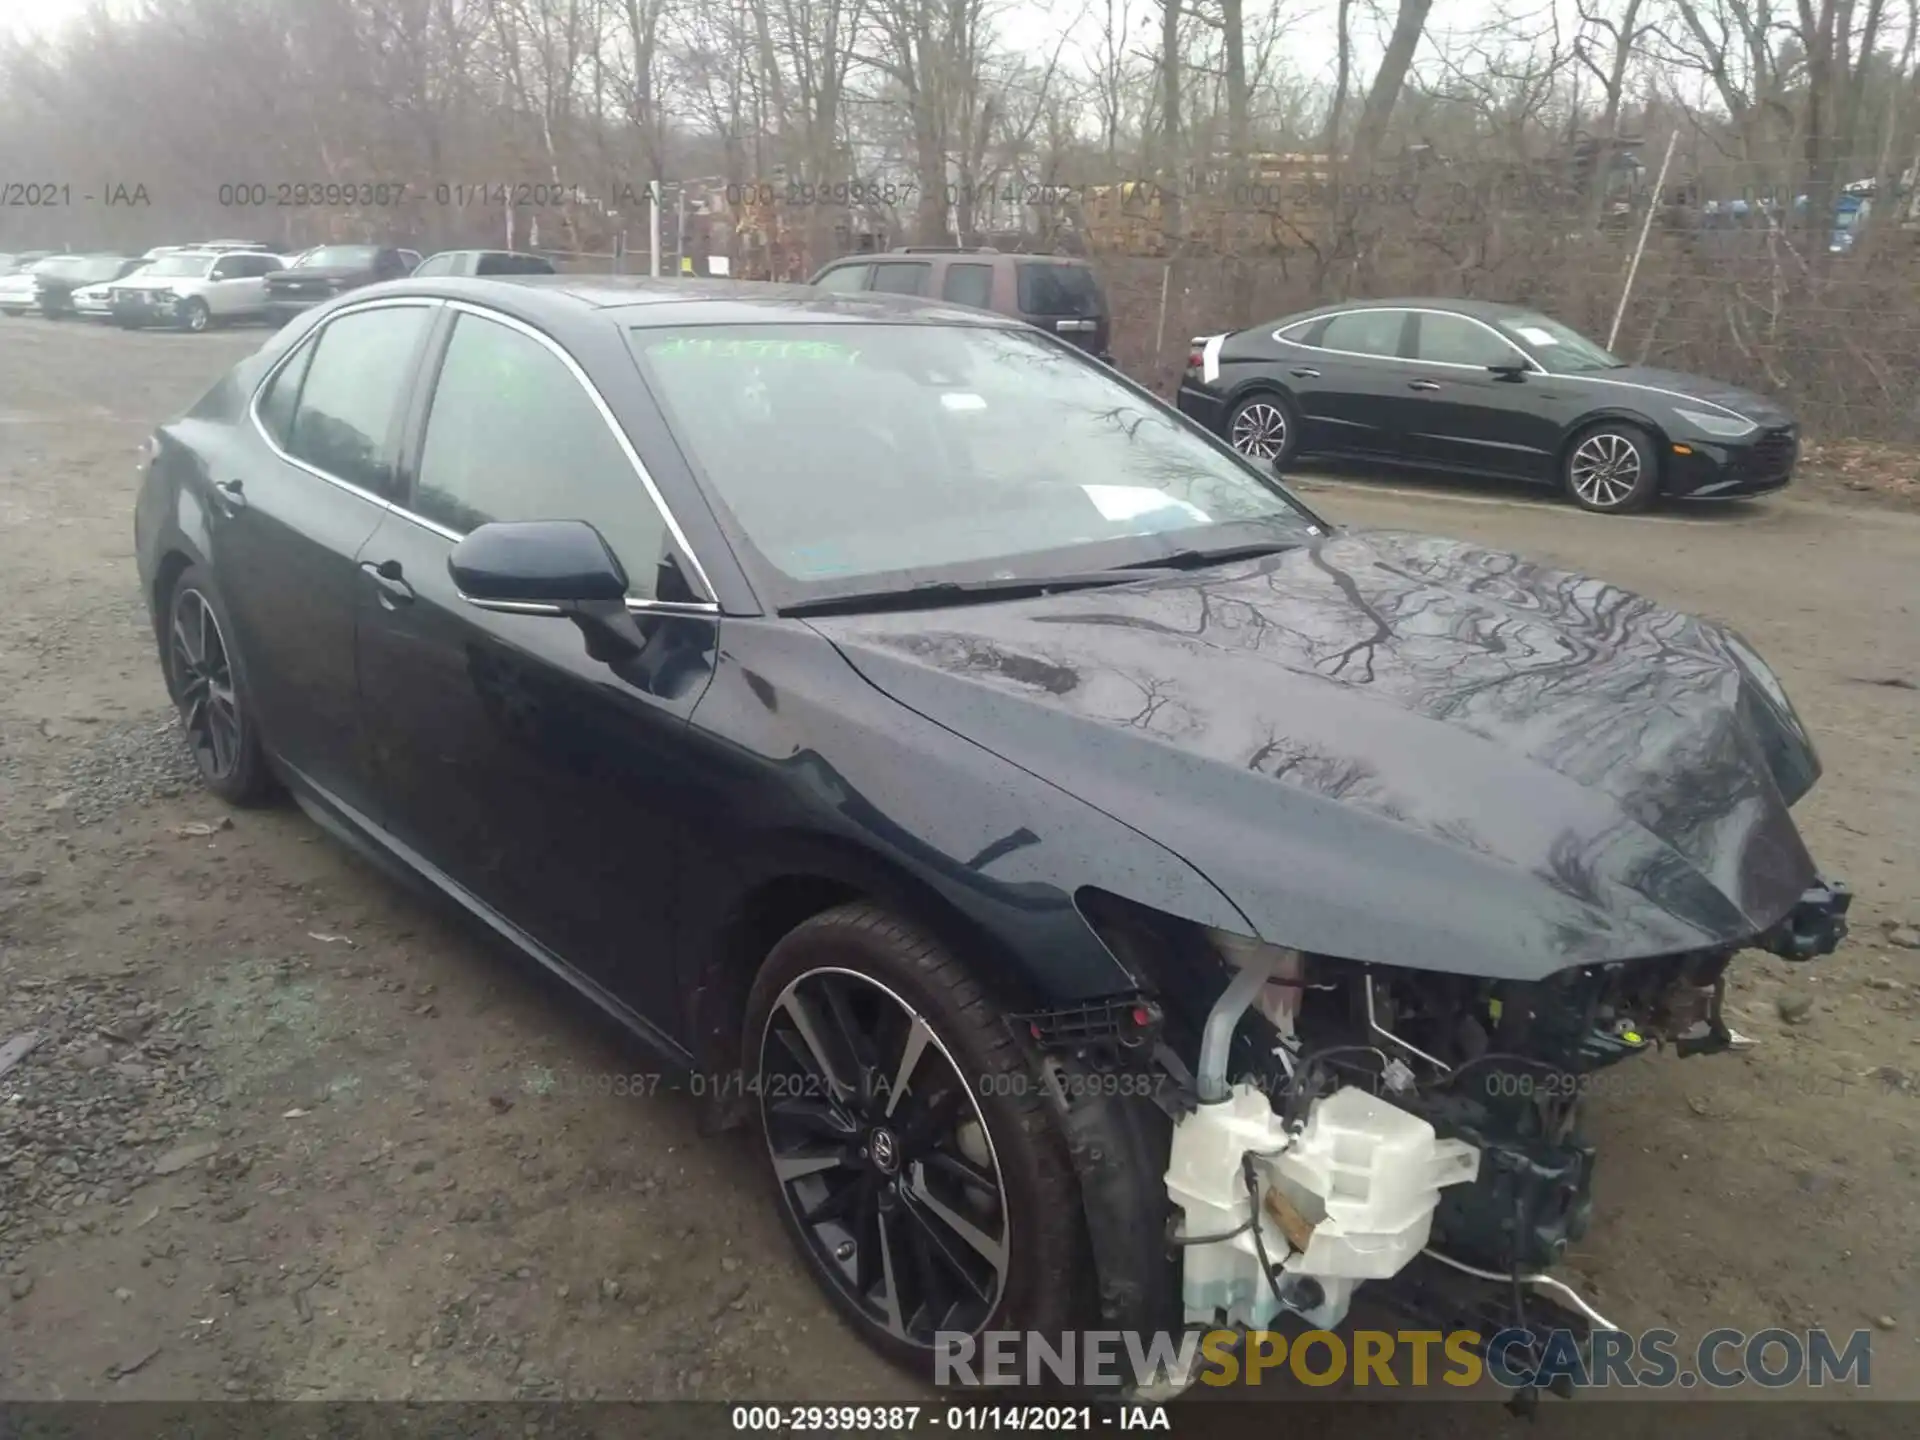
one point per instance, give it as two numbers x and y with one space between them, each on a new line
539 567
1508 370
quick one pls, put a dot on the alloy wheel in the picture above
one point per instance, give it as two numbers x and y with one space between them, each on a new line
1260 430
197 316
883 1157
1605 469
203 684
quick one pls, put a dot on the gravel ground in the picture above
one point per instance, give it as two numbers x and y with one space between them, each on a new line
289 1131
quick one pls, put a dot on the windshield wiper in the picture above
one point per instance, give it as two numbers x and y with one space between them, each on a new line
1194 559
933 594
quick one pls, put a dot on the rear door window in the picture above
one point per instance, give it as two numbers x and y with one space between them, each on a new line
513 265
902 277
845 277
282 394
970 285
1365 332
354 384
1052 290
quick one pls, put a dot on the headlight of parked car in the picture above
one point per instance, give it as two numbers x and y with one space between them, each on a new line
1726 427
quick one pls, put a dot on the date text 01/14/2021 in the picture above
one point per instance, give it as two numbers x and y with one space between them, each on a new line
906 1419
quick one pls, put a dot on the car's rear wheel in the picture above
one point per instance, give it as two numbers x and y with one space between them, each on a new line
1264 427
194 314
1612 468
209 688
912 1156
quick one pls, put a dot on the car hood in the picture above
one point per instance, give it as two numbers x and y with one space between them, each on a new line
281 279
1395 748
153 282
1757 408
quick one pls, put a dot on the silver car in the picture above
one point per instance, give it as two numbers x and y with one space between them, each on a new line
193 289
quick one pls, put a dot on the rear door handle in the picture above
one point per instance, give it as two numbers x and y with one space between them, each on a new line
233 495
394 590
1306 372
1423 384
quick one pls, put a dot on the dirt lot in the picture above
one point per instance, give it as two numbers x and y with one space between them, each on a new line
293 1132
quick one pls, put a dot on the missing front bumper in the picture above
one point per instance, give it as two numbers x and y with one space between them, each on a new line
1814 927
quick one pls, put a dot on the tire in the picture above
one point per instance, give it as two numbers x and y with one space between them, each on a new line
1258 421
892 1164
208 683
1611 468
194 314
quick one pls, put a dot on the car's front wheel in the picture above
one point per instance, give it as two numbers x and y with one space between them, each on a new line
209 689
194 314
912 1156
1264 426
1612 468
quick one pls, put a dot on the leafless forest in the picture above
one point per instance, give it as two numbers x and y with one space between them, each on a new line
1222 160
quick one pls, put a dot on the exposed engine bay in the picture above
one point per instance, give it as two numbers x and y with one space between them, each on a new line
1342 1122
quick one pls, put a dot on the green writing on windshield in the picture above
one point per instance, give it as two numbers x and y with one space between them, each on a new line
685 346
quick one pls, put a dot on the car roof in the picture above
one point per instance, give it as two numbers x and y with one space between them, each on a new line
1476 309
641 300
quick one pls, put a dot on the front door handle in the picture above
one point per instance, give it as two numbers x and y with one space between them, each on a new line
394 589
1423 384
233 495
1306 372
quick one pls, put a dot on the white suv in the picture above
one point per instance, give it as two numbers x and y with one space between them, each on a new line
191 289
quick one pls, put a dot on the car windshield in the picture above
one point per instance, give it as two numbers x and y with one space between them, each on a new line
179 265
859 457
346 255
1559 349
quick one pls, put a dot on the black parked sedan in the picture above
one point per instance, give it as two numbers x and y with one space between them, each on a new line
908 728
1477 388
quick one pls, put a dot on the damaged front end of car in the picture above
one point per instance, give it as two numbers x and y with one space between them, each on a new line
1304 1125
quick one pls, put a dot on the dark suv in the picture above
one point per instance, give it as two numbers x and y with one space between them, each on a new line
322 273
1058 293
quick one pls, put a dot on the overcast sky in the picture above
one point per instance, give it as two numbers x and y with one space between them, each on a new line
1035 27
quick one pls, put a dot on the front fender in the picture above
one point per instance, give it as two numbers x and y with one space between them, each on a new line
813 772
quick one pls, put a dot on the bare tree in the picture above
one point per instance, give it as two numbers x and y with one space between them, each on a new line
1409 27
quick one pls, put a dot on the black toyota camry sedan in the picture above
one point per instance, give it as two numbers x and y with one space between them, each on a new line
1483 389
1042 829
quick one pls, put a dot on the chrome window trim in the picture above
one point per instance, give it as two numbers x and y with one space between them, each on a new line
510 607
253 406
1534 367
607 418
635 606
639 606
